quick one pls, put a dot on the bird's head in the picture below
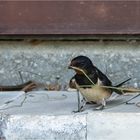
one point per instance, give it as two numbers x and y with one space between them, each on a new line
81 62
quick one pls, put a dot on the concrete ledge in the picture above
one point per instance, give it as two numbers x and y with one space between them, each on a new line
48 116
113 126
28 127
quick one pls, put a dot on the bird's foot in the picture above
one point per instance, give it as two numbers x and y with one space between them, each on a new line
129 103
101 107
81 109
76 111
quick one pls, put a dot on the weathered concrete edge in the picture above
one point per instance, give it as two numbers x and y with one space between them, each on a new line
42 127
97 125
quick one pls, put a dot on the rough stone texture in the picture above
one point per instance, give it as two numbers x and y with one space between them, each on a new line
44 61
46 128
3 125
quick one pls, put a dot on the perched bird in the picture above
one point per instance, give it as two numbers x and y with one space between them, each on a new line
88 74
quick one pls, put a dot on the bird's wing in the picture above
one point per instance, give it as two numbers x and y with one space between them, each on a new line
103 78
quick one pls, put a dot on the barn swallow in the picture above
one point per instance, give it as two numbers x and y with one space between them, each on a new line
94 77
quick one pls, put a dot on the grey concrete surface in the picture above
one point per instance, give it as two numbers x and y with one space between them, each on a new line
58 103
46 127
49 116
44 61
40 102
113 126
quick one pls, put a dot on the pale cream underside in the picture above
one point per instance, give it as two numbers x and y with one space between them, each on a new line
96 93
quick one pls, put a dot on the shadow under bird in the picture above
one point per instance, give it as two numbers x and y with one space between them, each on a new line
94 85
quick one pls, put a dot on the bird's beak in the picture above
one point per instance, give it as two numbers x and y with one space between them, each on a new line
74 68
77 70
69 67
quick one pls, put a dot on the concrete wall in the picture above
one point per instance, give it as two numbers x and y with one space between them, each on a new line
44 61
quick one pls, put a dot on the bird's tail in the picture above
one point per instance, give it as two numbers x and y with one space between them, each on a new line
120 84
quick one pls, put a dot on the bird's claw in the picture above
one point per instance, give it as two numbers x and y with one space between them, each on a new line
75 111
128 103
79 110
99 107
